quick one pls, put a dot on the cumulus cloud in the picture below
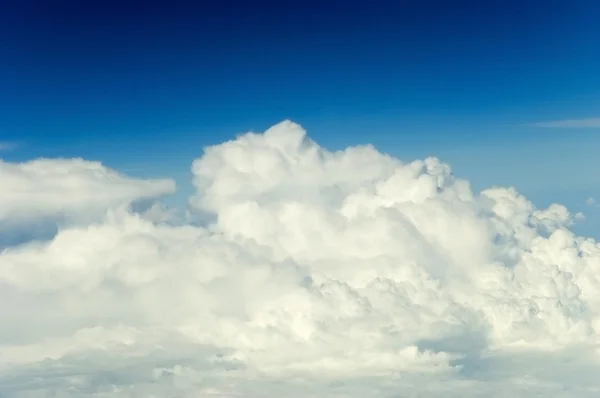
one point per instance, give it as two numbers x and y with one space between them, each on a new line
571 123
328 274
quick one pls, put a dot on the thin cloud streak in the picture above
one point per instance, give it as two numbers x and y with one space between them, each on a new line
7 146
571 123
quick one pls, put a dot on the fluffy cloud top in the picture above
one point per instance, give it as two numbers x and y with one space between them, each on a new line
323 274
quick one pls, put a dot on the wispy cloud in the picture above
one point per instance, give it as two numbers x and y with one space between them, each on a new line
7 146
571 123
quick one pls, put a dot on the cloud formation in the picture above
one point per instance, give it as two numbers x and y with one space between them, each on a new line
573 123
72 187
321 273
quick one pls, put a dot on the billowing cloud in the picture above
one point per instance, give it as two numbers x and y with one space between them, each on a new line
571 123
326 274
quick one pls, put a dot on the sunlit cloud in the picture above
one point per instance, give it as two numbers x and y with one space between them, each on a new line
349 273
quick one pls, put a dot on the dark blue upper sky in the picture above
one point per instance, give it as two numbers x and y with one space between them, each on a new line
149 83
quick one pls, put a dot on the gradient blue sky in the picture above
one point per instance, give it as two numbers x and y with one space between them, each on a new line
143 86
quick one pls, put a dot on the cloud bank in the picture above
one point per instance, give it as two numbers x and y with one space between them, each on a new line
329 274
573 123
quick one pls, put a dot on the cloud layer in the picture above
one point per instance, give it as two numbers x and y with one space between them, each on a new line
320 273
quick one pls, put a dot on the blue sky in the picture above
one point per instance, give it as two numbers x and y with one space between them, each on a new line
143 86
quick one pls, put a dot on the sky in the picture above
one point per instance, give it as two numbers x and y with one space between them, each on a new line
144 86
290 198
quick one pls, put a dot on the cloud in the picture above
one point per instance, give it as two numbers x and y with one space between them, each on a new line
72 187
6 146
573 123
41 196
347 273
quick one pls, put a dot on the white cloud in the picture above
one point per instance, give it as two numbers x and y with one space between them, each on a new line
572 123
68 187
324 274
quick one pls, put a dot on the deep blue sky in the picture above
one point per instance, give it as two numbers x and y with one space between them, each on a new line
143 86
